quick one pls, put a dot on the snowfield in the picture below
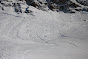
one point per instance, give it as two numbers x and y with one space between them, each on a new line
43 35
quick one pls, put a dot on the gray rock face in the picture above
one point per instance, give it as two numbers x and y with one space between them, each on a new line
55 5
83 2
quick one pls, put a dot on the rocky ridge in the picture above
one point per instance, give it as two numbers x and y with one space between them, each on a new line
67 6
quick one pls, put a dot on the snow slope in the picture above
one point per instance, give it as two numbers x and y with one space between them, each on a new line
43 35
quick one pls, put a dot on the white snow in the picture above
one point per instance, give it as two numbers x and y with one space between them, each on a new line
43 35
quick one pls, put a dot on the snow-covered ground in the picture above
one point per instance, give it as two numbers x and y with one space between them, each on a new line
43 35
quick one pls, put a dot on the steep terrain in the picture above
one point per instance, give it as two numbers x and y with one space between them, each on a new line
67 6
30 32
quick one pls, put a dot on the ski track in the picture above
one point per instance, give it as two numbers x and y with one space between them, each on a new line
40 38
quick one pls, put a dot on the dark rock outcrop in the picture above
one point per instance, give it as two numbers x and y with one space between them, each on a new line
83 2
54 5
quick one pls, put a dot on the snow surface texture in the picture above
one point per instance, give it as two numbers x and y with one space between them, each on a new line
43 34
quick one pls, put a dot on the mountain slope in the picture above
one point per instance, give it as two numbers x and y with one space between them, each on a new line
42 34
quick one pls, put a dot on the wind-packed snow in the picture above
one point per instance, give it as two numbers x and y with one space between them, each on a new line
43 35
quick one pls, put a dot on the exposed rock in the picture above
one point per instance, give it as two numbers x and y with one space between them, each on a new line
17 7
55 5
83 2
